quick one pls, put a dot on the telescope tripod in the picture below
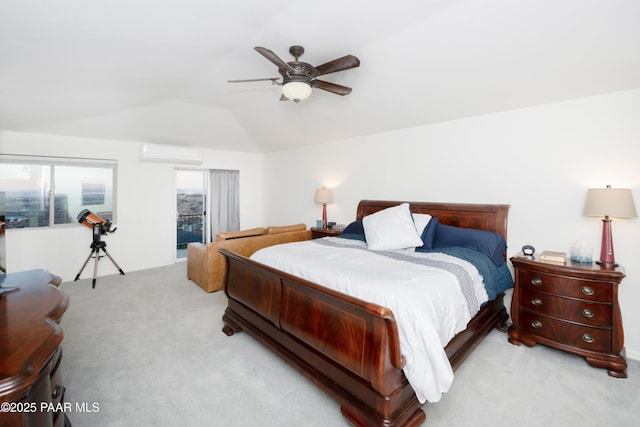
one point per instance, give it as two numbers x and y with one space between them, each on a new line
96 246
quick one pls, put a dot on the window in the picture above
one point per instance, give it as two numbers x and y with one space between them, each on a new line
45 191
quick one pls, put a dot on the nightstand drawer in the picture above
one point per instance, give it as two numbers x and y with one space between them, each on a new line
573 310
560 285
583 337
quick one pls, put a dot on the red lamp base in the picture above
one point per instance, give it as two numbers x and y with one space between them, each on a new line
607 257
324 215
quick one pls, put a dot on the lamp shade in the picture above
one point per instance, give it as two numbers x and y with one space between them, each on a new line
323 196
610 202
296 91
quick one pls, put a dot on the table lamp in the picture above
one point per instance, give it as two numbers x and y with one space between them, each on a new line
609 202
324 196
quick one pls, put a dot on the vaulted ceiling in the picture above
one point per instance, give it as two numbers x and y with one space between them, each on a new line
157 70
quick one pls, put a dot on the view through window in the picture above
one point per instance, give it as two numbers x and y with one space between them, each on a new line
190 209
40 192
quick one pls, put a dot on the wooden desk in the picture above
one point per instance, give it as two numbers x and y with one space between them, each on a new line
30 355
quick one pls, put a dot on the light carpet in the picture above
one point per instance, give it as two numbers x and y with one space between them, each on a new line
147 348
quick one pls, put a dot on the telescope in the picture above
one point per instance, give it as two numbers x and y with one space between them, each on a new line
100 227
93 221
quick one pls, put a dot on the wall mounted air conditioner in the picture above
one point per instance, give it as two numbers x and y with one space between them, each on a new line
170 154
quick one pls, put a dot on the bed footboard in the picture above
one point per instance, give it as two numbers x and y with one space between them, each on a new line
347 347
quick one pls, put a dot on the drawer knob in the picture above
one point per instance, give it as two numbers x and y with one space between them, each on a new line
588 290
536 301
57 391
587 313
536 281
536 324
587 338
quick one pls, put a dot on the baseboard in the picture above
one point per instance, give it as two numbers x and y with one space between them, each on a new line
633 354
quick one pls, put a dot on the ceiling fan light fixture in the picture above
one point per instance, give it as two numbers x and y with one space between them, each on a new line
296 91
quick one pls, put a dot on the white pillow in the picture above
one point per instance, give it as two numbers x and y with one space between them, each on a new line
390 229
421 221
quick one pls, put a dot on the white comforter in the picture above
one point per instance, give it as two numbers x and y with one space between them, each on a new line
427 302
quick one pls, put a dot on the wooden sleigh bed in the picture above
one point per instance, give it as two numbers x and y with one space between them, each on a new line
346 346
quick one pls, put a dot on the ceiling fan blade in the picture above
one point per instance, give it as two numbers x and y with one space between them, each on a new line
274 80
283 66
331 87
344 63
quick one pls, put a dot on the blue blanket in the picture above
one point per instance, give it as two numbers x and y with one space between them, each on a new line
496 279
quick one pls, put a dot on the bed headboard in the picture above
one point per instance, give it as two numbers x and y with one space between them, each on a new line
467 215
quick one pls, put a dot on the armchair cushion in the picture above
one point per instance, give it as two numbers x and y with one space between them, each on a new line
285 228
226 235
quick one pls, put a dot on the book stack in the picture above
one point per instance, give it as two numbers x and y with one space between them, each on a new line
552 257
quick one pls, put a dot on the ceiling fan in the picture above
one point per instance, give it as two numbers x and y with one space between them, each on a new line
298 78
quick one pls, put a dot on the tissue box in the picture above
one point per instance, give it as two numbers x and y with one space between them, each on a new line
581 254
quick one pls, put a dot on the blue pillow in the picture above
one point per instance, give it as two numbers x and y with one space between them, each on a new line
354 231
490 243
353 236
429 233
355 227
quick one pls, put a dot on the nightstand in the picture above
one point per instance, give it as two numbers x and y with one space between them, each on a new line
317 233
571 307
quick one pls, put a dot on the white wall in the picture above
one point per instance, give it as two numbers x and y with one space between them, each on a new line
540 160
145 203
